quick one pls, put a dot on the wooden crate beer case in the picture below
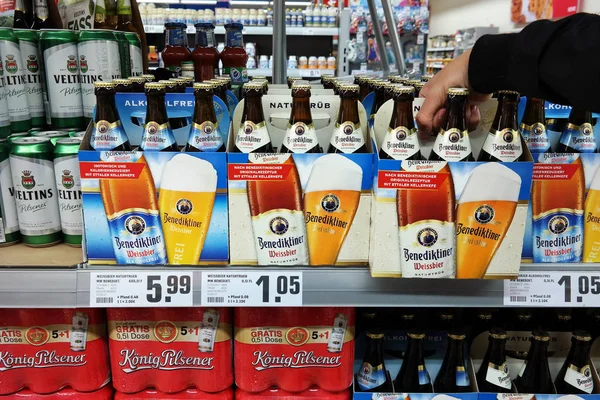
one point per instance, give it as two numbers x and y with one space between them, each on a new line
156 207
447 219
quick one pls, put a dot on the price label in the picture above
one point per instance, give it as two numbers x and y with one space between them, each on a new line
314 72
141 289
553 289
308 32
241 289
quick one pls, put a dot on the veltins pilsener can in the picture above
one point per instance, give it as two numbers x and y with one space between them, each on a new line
99 60
68 184
4 117
35 191
32 68
135 53
14 81
59 51
52 135
9 225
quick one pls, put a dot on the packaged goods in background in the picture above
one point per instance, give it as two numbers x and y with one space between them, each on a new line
9 227
30 56
68 184
275 394
294 348
69 346
170 349
106 393
188 394
14 81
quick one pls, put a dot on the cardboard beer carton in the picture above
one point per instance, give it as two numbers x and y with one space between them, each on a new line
164 207
483 208
327 215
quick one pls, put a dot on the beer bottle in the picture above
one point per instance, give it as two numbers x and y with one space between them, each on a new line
111 14
413 376
300 135
252 135
575 376
99 15
378 100
578 137
157 135
363 84
482 322
418 86
107 134
40 15
446 321
170 85
124 16
122 85
493 375
453 376
401 141
373 376
204 134
452 142
21 16
534 376
563 320
137 84
407 321
503 143
291 80
533 126
220 88
347 135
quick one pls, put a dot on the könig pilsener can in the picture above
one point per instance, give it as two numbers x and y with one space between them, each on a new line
9 226
35 191
68 183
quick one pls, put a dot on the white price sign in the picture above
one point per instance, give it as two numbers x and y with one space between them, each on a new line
141 289
264 288
553 289
314 72
308 31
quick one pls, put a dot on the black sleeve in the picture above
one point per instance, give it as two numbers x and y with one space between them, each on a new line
557 61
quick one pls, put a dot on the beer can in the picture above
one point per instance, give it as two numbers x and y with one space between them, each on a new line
338 331
35 191
208 330
135 53
4 116
52 135
77 134
124 55
59 52
79 328
13 136
30 55
98 52
9 222
14 81
68 183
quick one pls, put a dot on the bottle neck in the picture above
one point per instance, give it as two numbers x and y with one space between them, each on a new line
402 115
374 355
454 355
506 115
175 37
204 109
124 9
496 351
156 109
579 353
100 13
537 354
456 113
205 38
301 110
106 109
580 117
41 9
234 38
534 111
19 6
253 108
348 110
414 352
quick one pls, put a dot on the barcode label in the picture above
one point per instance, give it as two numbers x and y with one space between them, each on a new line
104 300
518 299
215 299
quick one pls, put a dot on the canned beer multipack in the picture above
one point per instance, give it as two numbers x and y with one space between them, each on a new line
188 394
170 349
294 349
279 394
454 217
106 393
45 350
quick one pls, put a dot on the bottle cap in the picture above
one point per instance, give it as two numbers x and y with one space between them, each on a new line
120 81
203 86
252 86
154 85
583 336
349 87
413 82
540 335
416 334
397 79
375 335
169 83
137 79
426 78
508 92
405 90
223 78
498 333
258 77
148 77
407 316
456 335
180 80
102 84
458 91
419 85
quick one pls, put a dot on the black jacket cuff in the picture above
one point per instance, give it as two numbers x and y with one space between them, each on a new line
489 63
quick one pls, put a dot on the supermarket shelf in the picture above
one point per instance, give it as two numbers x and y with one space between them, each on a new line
303 73
258 30
430 50
44 288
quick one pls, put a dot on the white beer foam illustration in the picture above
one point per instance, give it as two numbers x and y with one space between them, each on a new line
334 172
189 174
491 181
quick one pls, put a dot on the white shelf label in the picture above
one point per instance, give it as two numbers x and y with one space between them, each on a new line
308 32
249 289
314 72
553 289
141 289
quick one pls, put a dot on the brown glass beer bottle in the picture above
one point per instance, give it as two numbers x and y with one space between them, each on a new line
300 135
204 133
348 135
503 143
401 141
452 142
157 135
533 126
252 135
107 134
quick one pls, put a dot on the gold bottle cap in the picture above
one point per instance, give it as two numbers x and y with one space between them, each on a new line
294 78
413 82
187 79
581 335
252 86
137 79
297 86
169 83
458 91
375 335
180 80
508 92
408 316
148 77
419 85
154 85
121 81
426 78
416 335
223 78
397 79
540 335
258 77
203 86
457 336
349 87
102 84
498 333
398 89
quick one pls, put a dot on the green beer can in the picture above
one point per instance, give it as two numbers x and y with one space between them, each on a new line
14 81
135 53
77 134
124 54
52 135
13 136
59 52
30 54
68 183
32 167
9 222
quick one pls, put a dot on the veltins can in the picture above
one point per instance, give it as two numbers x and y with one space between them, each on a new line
35 191
59 51
135 53
99 60
68 183
9 222
52 135
124 54
77 134
4 117
14 81
30 55
13 136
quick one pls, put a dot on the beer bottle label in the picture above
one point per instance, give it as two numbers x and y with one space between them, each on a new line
581 138
107 136
8 207
462 378
205 136
68 183
498 375
536 137
300 138
251 136
580 378
137 237
504 145
452 145
401 143
523 368
558 236
157 137
370 376
280 237
427 249
347 137
424 378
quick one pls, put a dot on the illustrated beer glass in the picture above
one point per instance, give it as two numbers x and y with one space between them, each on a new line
186 206
484 213
331 197
591 224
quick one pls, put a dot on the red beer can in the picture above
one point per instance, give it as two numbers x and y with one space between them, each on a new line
279 394
106 393
187 394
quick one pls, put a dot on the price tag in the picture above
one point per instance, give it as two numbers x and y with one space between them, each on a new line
264 288
314 72
308 32
553 289
141 289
